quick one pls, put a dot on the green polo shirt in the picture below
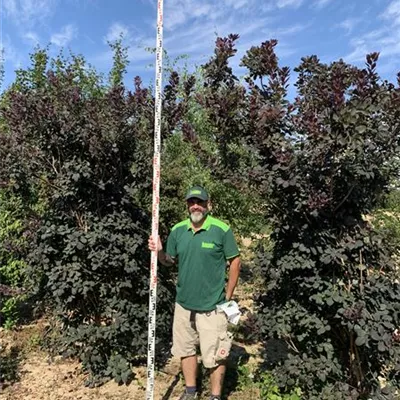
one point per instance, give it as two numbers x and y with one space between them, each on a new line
202 259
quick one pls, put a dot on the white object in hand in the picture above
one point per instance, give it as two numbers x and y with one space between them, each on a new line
231 309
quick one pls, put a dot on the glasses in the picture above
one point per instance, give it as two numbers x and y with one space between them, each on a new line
194 201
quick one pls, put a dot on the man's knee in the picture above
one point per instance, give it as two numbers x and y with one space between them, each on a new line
184 336
215 340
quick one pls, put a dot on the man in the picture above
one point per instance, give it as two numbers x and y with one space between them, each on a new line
201 245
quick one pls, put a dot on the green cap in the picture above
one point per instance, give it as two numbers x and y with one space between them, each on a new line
198 192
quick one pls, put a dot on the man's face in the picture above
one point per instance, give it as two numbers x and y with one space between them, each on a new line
197 209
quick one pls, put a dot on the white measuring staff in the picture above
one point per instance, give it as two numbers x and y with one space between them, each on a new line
156 206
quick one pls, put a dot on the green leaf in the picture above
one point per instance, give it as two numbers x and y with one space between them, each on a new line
381 346
361 129
361 340
375 335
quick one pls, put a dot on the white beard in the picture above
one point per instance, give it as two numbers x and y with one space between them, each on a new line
196 216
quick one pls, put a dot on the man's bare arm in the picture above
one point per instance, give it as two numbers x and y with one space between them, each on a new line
164 258
234 271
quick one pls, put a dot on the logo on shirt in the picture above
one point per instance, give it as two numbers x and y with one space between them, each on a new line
206 245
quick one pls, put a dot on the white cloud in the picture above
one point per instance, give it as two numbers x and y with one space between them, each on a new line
290 30
32 37
392 12
152 3
10 53
133 39
178 12
10 7
236 4
117 30
385 40
322 3
67 34
138 50
358 54
137 47
181 12
28 13
289 3
349 24
267 7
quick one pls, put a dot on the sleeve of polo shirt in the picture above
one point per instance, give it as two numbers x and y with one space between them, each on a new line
171 244
230 246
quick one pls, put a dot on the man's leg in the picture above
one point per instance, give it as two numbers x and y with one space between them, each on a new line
217 376
189 369
215 346
185 340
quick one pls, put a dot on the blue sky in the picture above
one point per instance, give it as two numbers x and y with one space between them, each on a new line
331 29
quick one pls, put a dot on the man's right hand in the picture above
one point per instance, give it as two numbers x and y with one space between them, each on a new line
164 258
153 246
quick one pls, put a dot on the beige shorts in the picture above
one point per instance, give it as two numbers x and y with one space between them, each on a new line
207 330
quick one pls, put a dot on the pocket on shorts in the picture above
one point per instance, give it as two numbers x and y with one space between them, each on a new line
223 347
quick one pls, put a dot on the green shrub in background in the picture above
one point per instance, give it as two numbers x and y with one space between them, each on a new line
9 311
182 168
10 360
262 385
12 228
387 223
391 201
386 219
13 239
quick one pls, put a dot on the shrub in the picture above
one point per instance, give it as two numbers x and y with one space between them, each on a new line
264 384
324 160
392 200
80 139
15 238
332 294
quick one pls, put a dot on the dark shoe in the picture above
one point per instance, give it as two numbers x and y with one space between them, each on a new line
188 396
